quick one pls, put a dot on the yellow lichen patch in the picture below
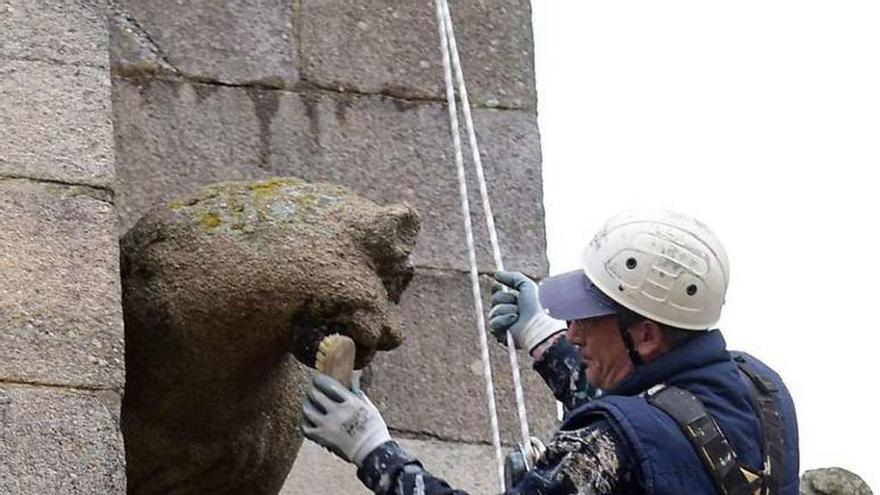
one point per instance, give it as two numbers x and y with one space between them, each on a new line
308 199
210 220
176 204
269 188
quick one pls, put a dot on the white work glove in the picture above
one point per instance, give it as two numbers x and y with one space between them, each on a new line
519 312
342 421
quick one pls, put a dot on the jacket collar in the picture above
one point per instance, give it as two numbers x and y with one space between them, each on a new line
697 352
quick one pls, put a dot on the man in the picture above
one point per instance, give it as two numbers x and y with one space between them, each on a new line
676 412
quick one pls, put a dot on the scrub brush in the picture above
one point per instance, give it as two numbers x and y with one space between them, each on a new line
335 357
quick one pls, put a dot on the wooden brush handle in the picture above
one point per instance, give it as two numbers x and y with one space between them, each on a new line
339 361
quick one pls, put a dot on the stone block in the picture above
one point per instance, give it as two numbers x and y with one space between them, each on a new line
60 308
433 384
57 31
172 137
391 150
59 441
55 123
467 467
132 51
318 472
227 41
394 47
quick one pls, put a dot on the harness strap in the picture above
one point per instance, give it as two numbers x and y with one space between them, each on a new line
625 319
713 448
763 393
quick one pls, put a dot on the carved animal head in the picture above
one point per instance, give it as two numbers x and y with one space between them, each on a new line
274 263
219 288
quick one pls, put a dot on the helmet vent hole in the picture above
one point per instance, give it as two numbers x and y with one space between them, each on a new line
691 289
620 288
631 263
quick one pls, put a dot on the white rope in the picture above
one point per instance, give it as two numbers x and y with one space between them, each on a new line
490 217
469 236
451 61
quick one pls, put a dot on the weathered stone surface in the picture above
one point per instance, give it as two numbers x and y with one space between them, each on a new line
174 137
323 473
57 31
386 148
464 466
446 459
59 441
55 122
218 289
60 313
832 481
228 41
132 51
433 384
394 47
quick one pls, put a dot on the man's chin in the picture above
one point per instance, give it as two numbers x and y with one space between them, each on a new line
593 380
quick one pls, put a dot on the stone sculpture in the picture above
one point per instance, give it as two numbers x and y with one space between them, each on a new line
220 290
832 481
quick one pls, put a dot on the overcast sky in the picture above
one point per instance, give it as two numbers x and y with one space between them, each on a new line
762 118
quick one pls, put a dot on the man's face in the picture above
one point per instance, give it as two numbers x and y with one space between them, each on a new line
602 349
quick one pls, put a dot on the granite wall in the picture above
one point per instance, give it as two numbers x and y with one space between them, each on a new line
110 107
61 342
352 92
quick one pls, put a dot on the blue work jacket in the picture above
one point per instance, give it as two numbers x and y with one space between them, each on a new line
664 461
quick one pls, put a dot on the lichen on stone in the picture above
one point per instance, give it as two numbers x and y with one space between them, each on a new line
210 220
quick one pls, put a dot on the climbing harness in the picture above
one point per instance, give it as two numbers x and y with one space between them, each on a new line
730 476
452 68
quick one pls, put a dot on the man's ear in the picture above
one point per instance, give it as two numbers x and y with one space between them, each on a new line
648 340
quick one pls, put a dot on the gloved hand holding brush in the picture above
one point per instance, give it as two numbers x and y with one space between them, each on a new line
336 414
343 421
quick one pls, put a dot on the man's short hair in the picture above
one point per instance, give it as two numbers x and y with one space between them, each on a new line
673 336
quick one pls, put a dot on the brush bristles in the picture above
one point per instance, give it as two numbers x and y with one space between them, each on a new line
325 349
335 357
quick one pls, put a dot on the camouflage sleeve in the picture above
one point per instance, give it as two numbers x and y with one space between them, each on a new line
564 371
585 461
390 470
589 460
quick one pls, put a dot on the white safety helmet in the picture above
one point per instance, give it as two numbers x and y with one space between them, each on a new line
664 266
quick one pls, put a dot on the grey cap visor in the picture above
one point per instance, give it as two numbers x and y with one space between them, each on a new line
572 296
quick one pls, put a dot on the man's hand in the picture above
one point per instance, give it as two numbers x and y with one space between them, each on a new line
519 312
342 421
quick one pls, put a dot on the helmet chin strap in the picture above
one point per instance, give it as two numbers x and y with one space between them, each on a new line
625 319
